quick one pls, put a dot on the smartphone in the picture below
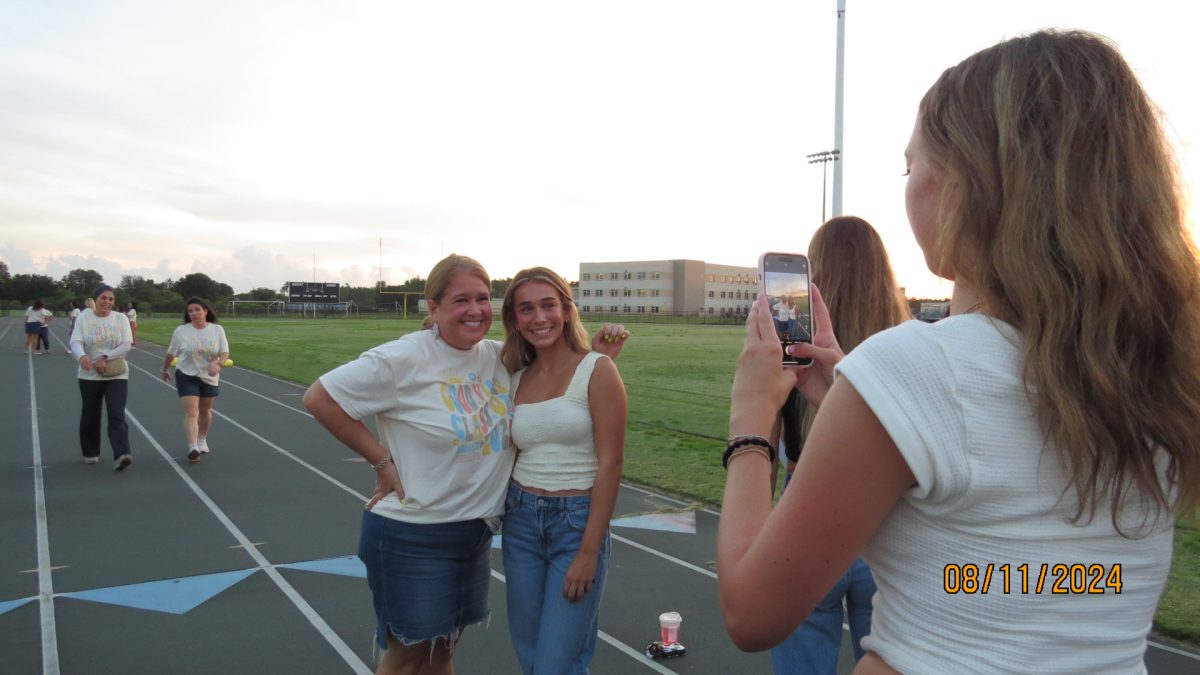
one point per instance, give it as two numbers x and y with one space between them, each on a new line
784 280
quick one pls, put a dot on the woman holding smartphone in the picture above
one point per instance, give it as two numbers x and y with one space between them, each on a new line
569 430
1049 420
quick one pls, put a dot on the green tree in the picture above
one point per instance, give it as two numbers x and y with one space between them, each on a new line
80 282
5 280
260 294
30 287
200 285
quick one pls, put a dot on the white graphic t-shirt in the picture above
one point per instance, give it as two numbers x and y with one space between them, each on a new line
444 414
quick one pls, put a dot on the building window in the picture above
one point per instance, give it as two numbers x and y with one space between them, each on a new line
626 292
625 309
654 292
722 295
612 292
654 310
587 308
612 276
641 309
710 310
612 308
712 294
654 275
627 275
586 276
641 275
587 292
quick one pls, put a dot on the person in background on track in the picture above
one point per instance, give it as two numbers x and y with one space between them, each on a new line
131 312
99 336
201 348
33 326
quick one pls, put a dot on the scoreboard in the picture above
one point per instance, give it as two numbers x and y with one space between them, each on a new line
313 291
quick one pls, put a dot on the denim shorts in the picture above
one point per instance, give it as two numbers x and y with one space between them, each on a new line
190 385
428 581
32 327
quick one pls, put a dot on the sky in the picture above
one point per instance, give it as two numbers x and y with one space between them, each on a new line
267 141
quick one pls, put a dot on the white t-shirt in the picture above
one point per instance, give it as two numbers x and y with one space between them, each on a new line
557 445
197 348
444 415
132 314
74 313
952 398
95 336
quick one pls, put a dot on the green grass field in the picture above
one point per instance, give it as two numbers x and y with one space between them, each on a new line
677 378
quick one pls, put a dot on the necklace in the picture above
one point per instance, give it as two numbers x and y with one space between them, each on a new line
972 308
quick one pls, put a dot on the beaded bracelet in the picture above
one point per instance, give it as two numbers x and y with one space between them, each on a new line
742 441
383 462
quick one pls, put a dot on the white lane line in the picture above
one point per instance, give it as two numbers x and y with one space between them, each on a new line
45 578
664 556
301 604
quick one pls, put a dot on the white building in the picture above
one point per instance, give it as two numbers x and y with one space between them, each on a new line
679 287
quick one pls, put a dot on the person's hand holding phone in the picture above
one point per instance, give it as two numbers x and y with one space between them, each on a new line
814 381
760 383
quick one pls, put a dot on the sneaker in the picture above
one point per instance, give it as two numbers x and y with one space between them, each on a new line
38 353
202 446
193 455
123 462
91 460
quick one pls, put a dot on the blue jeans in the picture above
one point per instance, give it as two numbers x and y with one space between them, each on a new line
541 537
812 649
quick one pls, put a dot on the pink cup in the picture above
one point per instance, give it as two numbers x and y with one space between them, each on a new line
668 623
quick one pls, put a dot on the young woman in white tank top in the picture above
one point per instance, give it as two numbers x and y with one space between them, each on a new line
569 430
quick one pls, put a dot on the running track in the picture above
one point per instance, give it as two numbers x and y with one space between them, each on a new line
245 562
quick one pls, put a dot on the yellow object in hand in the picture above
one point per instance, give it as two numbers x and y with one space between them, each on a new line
174 361
227 363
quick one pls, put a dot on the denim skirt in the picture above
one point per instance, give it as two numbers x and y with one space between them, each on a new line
428 581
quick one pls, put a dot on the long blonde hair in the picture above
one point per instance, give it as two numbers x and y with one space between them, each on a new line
1061 208
849 264
442 275
517 352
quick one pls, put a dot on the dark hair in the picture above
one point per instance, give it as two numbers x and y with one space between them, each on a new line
38 304
209 315
101 289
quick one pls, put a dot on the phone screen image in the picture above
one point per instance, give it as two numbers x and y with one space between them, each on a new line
785 282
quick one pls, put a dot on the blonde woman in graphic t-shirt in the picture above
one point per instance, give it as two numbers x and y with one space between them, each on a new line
569 430
201 348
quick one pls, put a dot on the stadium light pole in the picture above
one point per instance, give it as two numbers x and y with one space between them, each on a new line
839 106
824 158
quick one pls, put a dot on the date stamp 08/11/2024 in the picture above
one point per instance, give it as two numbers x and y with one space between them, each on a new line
1058 579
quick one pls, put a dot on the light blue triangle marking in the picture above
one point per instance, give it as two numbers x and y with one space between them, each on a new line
173 596
496 541
346 566
664 522
9 605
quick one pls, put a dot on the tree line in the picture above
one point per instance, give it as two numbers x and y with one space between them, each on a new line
18 291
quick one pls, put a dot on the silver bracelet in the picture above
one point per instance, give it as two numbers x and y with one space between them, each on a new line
383 462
